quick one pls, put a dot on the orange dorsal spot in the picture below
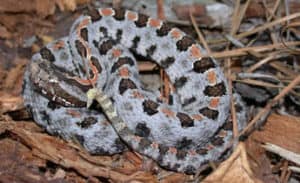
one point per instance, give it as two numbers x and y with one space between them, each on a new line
192 152
168 112
137 94
172 150
84 23
123 72
197 117
154 23
214 102
131 16
212 77
73 113
176 34
116 53
58 45
90 81
106 12
195 52
154 145
87 82
95 72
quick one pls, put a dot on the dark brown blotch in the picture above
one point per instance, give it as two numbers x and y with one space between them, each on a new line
122 61
184 143
209 113
96 63
142 130
119 145
84 34
167 62
61 70
201 151
45 116
119 14
186 120
151 50
80 49
188 101
228 125
163 149
106 46
238 108
135 42
87 122
91 73
119 35
180 82
216 90
79 138
144 143
184 43
171 100
104 31
181 154
94 14
162 152
200 66
100 151
190 170
176 166
95 43
164 30
141 21
217 141
74 83
47 54
52 105
126 84
150 107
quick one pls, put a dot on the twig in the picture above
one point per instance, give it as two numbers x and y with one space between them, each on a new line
244 51
294 169
270 104
200 36
289 155
259 83
282 68
269 25
262 62
160 9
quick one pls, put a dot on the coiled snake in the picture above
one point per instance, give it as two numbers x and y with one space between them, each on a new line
190 130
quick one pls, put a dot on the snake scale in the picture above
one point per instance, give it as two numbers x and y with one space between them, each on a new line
186 132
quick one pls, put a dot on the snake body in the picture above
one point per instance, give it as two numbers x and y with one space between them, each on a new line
190 130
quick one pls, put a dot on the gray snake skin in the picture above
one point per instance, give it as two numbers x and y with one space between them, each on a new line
97 61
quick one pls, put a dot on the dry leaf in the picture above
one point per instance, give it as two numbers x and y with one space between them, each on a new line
235 169
282 131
